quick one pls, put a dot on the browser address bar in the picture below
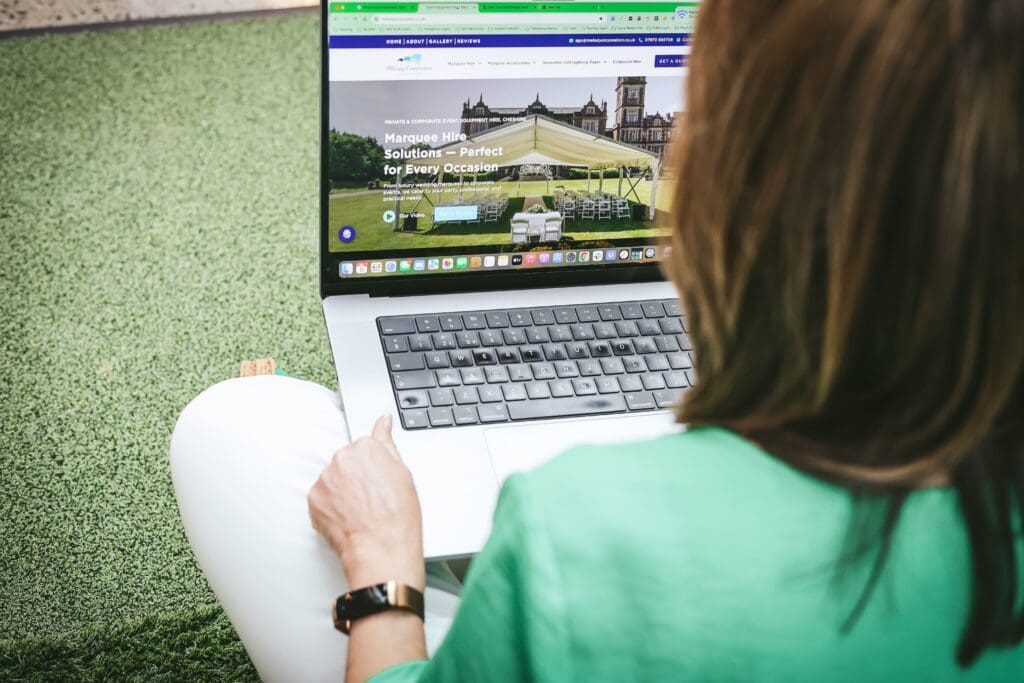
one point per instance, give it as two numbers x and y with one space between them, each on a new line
488 19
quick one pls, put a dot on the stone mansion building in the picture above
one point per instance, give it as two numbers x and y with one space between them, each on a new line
632 124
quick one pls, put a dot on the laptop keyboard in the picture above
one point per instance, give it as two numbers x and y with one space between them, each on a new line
483 367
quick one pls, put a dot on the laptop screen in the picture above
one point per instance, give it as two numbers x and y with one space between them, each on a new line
488 136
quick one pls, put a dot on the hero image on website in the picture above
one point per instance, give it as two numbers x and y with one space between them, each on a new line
428 159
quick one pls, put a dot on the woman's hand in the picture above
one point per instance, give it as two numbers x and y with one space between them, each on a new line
365 505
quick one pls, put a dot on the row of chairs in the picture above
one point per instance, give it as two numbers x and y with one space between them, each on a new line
590 205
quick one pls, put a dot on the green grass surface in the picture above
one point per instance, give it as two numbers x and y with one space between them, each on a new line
365 212
158 211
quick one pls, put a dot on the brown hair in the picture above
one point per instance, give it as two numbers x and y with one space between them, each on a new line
849 249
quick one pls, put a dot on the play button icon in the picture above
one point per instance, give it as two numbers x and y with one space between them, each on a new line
389 216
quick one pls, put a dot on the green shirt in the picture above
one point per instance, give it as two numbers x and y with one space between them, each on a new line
699 557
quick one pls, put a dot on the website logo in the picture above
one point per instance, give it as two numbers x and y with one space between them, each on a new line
447 263
347 233
411 59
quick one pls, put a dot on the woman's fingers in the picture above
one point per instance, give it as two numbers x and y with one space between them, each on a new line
382 433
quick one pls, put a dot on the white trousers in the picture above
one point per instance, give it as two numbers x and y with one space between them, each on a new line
244 455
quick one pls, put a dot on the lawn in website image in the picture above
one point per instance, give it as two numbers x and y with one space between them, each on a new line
556 163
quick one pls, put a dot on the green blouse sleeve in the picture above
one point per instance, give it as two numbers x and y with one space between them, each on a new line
510 624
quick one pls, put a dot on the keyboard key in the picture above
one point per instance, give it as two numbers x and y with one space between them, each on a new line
656 363
536 335
496 375
609 312
671 326
390 326
448 378
645 345
441 397
420 342
520 318
461 359
666 344
493 413
440 417
560 333
543 316
474 321
607 385
484 357
555 352
641 401
684 342
467 340
531 354
630 383
444 340
396 344
412 399
451 322
472 375
631 311
400 362
466 395
519 373
653 309
438 359
691 376
566 407
497 320
491 338
576 350
560 387
414 419
582 331
672 308
566 369
587 314
565 315
428 323
540 390
589 367
600 349
604 331
653 381
667 397
584 387
507 355
612 366
464 415
514 392
622 347
634 364
649 328
543 371
515 336
675 379
679 361
489 394
626 328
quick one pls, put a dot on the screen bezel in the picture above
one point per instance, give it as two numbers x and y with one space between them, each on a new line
332 284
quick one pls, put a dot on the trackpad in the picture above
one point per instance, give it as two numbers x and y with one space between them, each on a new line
523 447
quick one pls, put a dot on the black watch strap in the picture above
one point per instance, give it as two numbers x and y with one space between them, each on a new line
374 600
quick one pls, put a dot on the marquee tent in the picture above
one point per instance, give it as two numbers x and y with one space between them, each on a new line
539 139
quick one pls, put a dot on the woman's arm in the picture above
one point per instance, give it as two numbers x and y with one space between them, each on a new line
365 505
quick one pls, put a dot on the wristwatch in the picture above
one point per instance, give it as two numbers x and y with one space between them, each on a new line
374 600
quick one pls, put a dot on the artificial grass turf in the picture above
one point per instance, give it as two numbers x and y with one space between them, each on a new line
158 222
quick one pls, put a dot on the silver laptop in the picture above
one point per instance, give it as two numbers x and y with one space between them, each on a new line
491 181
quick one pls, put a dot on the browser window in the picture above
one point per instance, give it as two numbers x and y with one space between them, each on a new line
500 135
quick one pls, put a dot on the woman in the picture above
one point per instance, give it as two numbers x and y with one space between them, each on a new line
848 244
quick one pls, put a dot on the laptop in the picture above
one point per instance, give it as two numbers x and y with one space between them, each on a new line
493 179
